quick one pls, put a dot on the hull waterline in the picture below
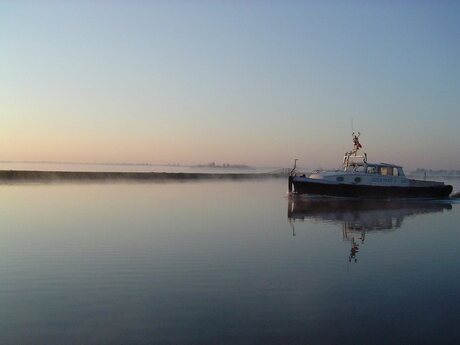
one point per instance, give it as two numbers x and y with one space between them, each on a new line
367 191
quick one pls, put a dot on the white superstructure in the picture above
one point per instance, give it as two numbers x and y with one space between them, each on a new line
356 170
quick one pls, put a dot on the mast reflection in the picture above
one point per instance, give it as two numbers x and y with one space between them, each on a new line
358 217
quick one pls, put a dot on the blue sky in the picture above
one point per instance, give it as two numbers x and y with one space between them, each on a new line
255 82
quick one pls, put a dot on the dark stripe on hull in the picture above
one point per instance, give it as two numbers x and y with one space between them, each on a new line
349 190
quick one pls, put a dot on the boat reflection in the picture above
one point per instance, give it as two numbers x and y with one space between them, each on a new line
358 217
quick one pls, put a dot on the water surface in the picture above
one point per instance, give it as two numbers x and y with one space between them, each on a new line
222 262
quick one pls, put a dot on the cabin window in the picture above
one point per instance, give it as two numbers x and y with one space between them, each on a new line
340 179
357 179
371 170
386 171
359 168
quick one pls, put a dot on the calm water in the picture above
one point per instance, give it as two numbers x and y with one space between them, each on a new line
224 263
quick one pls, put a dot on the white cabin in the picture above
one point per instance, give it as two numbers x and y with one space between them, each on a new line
356 170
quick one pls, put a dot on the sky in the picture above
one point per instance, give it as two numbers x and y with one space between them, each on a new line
243 82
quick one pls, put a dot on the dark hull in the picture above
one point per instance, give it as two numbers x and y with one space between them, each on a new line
356 191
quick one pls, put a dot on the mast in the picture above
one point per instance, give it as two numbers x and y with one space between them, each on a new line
354 152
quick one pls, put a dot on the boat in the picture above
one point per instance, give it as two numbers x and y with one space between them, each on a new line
359 178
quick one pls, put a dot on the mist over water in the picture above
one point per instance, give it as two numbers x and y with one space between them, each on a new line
79 167
223 262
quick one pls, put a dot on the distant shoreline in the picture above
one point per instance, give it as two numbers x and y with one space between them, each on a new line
50 176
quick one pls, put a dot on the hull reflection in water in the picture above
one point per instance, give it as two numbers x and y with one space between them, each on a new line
358 217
